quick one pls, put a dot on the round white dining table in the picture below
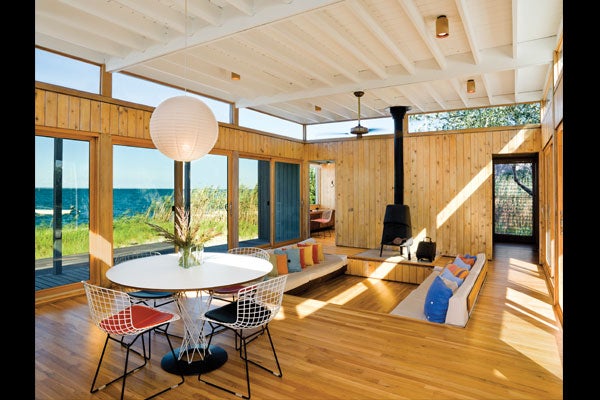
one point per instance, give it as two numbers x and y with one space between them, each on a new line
162 273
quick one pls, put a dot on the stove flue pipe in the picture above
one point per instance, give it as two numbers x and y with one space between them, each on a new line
398 113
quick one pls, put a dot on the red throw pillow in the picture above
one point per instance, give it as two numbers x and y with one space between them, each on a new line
467 260
457 271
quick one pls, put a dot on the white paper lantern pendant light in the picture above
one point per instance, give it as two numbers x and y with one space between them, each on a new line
183 128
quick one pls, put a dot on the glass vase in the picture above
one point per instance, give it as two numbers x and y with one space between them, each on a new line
188 256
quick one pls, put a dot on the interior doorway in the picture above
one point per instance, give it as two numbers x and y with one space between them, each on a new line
515 199
321 193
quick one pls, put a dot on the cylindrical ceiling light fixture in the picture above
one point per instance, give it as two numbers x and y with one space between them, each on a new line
470 86
183 128
441 27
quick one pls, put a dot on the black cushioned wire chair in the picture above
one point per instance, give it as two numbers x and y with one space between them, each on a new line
228 292
144 296
248 317
157 299
116 313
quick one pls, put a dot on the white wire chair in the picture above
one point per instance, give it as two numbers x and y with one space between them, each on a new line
248 317
226 291
116 313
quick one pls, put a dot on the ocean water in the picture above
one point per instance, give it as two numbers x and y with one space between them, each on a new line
76 203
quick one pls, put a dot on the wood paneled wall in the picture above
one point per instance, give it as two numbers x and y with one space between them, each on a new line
447 175
447 185
57 107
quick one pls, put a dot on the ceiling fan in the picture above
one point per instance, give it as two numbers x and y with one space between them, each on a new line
359 130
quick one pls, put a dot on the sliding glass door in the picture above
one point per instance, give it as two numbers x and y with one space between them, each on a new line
287 201
209 197
254 223
62 211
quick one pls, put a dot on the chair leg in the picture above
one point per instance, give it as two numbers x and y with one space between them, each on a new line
243 352
125 371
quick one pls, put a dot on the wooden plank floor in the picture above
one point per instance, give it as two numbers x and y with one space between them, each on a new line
342 344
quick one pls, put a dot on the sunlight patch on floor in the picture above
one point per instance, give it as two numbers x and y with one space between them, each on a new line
383 269
349 294
524 307
308 307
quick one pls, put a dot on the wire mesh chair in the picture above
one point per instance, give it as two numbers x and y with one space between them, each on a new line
248 317
158 299
144 296
325 219
221 293
116 313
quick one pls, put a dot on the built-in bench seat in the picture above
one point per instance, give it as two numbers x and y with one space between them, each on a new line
460 304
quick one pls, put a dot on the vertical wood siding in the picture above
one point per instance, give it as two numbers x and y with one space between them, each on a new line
447 185
447 175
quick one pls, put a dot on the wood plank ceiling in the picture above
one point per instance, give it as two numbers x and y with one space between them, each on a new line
294 55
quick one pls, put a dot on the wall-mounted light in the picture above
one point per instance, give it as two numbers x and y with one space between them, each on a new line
441 27
235 77
317 108
470 86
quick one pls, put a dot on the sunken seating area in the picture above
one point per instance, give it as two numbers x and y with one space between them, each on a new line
436 300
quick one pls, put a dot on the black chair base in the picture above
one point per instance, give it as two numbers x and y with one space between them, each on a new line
126 372
243 352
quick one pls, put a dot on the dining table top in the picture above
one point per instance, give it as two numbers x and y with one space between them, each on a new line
163 273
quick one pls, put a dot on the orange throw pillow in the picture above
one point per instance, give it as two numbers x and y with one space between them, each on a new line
307 249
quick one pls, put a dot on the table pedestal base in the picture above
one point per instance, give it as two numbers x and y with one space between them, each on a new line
211 361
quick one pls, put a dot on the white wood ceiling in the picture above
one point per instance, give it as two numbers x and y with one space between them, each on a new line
293 55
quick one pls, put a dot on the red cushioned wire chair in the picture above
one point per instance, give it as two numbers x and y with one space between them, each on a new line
158 299
117 314
228 293
248 317
325 219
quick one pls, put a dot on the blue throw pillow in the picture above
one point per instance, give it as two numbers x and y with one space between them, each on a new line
446 273
293 258
436 301
461 264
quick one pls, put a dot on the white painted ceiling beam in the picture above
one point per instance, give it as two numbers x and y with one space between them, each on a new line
320 22
463 12
111 13
416 18
210 34
245 6
298 65
76 37
361 12
315 53
493 60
